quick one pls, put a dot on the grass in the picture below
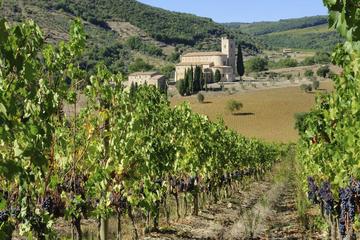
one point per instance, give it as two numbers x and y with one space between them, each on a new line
267 114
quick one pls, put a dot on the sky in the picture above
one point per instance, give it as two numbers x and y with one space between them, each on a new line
244 10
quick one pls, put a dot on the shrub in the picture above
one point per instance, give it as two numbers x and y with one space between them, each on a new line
233 106
273 75
140 65
299 121
167 70
257 64
306 87
309 73
173 57
284 63
200 98
289 76
323 71
181 87
316 84
319 58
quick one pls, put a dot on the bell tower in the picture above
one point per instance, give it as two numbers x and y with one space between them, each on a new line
228 48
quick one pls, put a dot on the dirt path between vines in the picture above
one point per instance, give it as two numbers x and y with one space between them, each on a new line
266 209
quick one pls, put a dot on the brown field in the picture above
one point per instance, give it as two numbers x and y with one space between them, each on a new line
267 114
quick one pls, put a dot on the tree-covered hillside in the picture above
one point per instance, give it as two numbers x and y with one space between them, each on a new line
261 28
165 26
164 34
318 38
303 33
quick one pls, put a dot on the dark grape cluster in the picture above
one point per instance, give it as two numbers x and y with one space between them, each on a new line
355 185
225 179
347 208
118 201
37 224
14 211
313 190
327 197
48 204
181 185
192 183
342 214
4 216
173 182
236 175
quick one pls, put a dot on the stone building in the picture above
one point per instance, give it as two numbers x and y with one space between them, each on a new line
150 78
224 61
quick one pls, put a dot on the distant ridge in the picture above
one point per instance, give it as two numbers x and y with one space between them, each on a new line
302 33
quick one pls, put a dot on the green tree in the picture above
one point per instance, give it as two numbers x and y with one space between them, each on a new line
181 87
132 91
173 57
134 42
323 71
257 64
190 81
186 81
197 79
140 65
240 62
167 70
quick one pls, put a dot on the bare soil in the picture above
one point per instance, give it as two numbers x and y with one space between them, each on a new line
268 111
264 209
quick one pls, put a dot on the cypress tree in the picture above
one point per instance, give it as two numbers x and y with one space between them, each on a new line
217 75
240 62
197 79
190 79
185 84
202 81
132 90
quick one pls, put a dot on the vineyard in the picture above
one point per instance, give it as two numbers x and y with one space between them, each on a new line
124 152
129 154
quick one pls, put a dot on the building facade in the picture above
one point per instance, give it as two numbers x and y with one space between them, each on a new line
149 78
224 61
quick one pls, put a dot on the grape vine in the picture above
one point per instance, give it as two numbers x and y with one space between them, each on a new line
328 148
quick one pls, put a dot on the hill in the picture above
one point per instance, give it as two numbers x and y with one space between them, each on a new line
162 35
317 38
300 33
262 28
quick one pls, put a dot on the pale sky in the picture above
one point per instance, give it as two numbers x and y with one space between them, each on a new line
244 10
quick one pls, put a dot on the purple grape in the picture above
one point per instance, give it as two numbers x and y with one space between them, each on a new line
48 204
4 216
313 189
327 197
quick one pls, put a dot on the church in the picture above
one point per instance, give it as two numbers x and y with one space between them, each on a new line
224 61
